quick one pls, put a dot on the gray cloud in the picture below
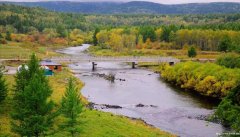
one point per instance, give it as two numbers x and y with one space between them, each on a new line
156 1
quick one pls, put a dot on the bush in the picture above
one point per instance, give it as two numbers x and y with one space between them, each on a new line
207 79
228 110
229 60
3 41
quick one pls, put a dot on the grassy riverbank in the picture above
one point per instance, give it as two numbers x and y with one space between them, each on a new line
22 50
207 79
181 54
94 123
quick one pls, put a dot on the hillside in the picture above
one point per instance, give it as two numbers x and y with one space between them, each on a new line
135 7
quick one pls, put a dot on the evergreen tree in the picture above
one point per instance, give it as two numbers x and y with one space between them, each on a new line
61 31
165 33
3 85
148 32
32 109
8 36
95 41
192 52
225 44
71 108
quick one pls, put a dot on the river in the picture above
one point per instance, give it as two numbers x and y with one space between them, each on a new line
142 94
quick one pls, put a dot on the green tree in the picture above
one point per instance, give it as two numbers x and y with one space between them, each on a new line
148 32
192 52
1 36
61 31
33 110
3 85
225 44
95 41
165 33
71 108
8 36
229 60
228 110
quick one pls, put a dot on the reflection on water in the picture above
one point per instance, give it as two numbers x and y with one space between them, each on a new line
164 106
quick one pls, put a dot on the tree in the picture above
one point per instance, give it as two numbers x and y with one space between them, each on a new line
224 44
8 36
228 111
3 85
33 110
61 31
116 42
229 60
148 32
71 108
165 33
95 41
1 35
192 52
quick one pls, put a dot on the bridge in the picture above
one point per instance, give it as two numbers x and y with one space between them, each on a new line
125 59
94 59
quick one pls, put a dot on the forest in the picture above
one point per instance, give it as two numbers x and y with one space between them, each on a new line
204 32
189 37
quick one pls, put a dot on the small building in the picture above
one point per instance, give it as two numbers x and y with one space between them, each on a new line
53 66
47 71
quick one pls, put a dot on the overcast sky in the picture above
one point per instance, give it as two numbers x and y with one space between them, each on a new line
157 1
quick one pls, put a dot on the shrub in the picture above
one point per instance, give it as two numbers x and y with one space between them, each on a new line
229 60
207 79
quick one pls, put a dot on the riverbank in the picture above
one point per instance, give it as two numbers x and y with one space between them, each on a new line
22 50
94 123
207 79
180 54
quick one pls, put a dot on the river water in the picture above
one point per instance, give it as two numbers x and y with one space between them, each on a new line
142 94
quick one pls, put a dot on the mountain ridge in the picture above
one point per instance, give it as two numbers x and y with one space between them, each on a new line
134 7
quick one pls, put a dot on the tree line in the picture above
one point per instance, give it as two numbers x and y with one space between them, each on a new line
167 37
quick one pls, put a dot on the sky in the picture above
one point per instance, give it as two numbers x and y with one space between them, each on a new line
156 1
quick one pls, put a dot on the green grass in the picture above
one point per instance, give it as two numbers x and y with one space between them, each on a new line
93 123
101 124
181 54
15 50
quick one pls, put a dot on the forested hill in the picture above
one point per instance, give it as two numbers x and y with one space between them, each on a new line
135 7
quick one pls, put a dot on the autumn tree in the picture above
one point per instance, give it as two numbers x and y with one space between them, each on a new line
71 108
102 37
